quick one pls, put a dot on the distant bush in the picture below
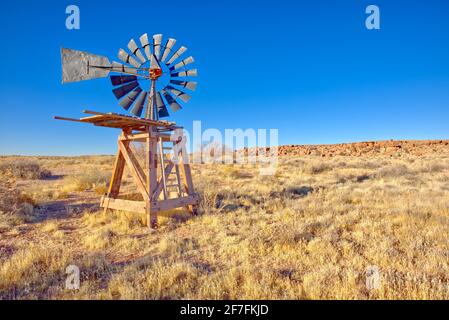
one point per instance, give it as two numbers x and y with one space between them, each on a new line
24 169
431 167
90 180
393 171
235 172
315 168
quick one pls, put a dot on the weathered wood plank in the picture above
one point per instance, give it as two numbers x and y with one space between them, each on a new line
151 164
117 174
133 170
123 205
135 136
168 204
127 118
140 206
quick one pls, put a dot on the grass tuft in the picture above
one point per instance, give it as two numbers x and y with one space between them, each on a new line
91 180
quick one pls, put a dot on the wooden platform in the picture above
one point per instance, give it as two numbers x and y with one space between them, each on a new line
119 121
174 166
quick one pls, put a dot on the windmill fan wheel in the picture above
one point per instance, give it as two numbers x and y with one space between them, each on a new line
152 76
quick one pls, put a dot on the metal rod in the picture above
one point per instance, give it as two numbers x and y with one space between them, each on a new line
153 99
66 119
124 72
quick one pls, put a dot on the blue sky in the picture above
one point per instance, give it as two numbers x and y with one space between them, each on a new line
308 68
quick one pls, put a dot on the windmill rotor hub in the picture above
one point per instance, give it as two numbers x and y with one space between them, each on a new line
155 73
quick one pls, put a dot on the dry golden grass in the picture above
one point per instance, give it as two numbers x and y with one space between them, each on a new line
308 232
23 169
88 180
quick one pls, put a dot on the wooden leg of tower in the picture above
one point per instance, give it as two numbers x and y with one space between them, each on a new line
151 158
187 179
117 175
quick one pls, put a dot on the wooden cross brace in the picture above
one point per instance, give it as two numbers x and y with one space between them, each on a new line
146 179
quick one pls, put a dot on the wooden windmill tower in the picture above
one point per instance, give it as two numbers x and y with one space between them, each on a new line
150 77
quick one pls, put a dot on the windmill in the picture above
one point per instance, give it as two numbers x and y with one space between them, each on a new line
150 77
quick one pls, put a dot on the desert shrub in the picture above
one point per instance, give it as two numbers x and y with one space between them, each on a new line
24 169
236 172
293 162
431 167
393 171
210 200
90 180
100 239
315 168
15 206
361 164
39 195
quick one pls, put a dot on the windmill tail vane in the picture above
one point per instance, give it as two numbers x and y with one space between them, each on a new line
168 74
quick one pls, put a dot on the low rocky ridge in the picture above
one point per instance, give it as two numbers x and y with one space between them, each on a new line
391 148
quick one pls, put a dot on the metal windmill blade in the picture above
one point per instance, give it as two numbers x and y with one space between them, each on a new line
175 106
129 99
118 80
157 40
168 47
176 55
138 106
187 73
154 63
178 93
126 58
160 106
121 68
191 85
145 45
80 65
132 46
125 89
183 63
